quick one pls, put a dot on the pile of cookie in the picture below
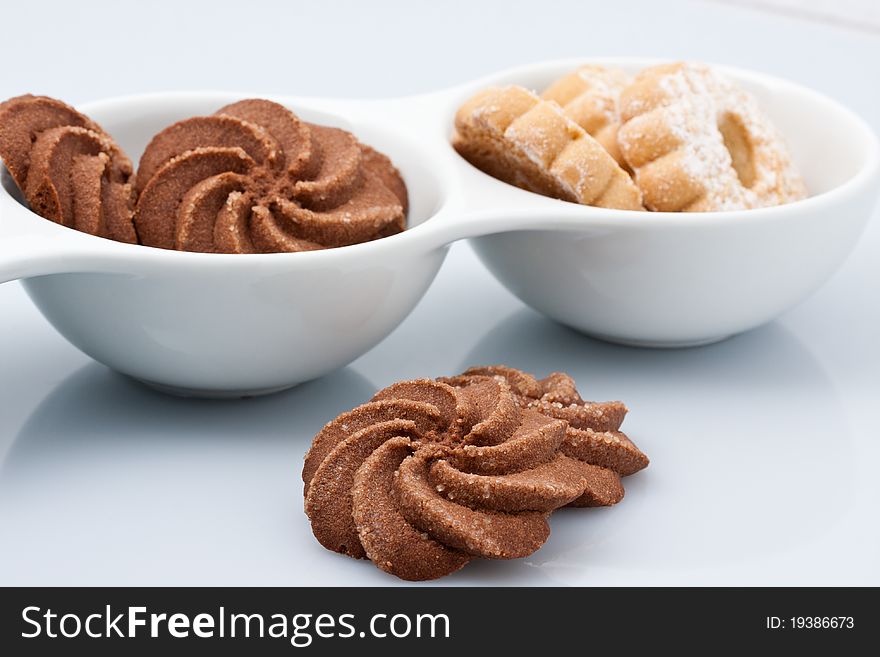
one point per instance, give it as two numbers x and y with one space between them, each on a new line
250 178
430 474
677 137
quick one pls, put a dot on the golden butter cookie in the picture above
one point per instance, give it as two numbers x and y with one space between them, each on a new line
515 136
590 96
698 143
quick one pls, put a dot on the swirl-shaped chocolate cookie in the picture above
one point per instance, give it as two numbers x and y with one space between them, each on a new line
251 178
254 178
69 170
430 474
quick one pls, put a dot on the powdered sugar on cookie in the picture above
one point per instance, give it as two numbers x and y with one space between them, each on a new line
696 142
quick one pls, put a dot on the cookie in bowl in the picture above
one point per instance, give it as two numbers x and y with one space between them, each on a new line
250 178
67 167
677 137
514 135
590 96
699 143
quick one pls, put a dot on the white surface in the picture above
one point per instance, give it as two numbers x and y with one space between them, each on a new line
763 447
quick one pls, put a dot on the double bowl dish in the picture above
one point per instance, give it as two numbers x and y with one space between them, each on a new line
233 325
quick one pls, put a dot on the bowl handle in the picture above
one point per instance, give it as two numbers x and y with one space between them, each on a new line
479 212
32 246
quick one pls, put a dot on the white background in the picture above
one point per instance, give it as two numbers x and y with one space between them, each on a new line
764 448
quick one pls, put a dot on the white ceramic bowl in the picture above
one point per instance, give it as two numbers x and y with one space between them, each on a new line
679 279
231 325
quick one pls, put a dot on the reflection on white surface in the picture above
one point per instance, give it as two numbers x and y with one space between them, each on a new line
747 438
109 481
142 481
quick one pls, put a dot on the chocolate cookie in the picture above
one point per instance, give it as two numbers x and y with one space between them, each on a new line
69 170
430 474
254 178
251 178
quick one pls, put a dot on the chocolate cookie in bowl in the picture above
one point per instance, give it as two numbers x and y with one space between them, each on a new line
250 178
67 167
430 474
254 178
